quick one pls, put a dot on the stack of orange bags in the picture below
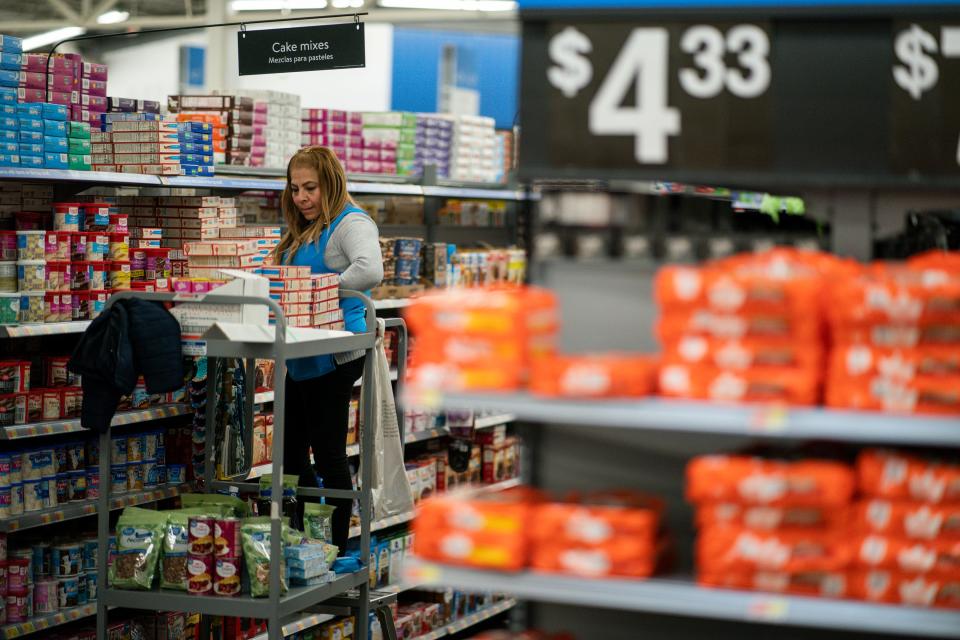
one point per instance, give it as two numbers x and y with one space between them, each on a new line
601 375
596 536
908 548
603 535
747 328
896 337
771 525
481 339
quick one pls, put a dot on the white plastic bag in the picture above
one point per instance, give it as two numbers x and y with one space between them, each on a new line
391 491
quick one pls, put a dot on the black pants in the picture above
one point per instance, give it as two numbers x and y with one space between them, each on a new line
317 413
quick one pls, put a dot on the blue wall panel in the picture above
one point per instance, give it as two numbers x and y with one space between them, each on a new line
416 64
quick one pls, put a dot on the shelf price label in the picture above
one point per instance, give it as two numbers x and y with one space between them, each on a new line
925 57
633 97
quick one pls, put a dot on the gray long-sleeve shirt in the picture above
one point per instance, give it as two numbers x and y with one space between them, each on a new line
354 250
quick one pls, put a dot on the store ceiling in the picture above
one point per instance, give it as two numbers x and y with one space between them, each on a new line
27 17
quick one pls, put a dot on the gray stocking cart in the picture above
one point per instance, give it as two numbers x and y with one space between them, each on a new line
349 592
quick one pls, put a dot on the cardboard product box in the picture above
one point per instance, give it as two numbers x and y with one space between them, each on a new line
427 471
413 477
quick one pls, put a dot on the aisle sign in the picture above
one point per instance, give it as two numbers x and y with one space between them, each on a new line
319 48
776 100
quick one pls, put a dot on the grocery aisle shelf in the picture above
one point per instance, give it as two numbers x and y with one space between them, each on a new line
678 597
73 510
486 422
69 175
259 470
391 303
299 624
379 525
692 416
487 193
217 182
39 623
47 329
468 621
398 587
429 434
502 486
53 427
262 397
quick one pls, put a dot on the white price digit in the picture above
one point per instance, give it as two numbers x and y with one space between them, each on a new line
708 48
706 45
643 58
752 47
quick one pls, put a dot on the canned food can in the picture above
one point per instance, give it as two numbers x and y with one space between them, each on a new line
37 464
135 476
78 485
16 499
226 577
200 574
150 478
118 479
200 535
93 484
82 597
91 547
226 541
63 488
76 456
118 450
91 586
33 491
45 598
18 573
66 560
42 557
17 607
68 591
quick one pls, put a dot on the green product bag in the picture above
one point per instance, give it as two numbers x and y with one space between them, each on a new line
255 534
216 504
318 521
139 540
173 567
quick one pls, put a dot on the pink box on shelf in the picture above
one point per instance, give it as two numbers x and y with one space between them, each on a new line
388 155
259 117
60 82
372 166
340 152
355 142
94 87
94 71
337 128
355 154
355 117
313 126
336 140
260 107
354 166
334 115
37 62
388 168
313 114
259 141
354 129
373 144
371 154
94 103
39 95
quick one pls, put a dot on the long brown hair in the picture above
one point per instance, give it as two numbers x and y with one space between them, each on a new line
333 185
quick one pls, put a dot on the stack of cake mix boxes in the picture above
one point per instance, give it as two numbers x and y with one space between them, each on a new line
150 144
235 115
267 237
474 157
434 143
342 131
276 127
395 134
206 258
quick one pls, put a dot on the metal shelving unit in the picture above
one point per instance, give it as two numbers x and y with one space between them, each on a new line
485 422
246 341
74 510
468 621
41 623
56 427
299 624
48 329
689 416
683 598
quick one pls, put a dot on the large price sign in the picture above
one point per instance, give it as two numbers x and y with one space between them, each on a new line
754 102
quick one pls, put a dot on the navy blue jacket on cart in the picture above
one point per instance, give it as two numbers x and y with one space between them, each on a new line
131 338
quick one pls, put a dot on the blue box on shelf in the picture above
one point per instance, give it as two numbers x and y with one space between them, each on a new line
31 149
191 137
197 170
9 123
54 128
52 111
8 110
8 95
196 127
11 61
10 148
55 144
31 162
9 160
11 44
9 136
56 160
31 136
30 124
30 109
9 78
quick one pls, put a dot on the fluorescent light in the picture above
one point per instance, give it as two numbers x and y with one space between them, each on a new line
113 17
347 4
276 5
451 5
50 37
